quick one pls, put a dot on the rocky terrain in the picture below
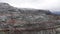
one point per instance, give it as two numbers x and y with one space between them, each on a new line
12 17
23 15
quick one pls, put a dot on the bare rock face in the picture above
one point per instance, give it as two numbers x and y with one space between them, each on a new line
6 8
4 5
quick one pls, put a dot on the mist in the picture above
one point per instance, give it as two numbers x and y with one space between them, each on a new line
53 5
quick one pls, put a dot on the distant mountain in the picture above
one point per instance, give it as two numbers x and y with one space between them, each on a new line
56 13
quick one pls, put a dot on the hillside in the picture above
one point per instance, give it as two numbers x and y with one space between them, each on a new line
23 15
26 18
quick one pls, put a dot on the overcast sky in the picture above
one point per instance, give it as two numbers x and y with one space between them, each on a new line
37 4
